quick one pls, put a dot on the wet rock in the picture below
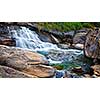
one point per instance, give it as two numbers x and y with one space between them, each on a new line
47 37
92 44
64 55
77 70
7 72
63 46
71 75
87 76
79 46
59 74
96 69
87 69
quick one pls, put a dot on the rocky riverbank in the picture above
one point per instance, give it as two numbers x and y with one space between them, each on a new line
42 53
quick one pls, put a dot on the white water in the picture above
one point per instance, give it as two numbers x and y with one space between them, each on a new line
28 39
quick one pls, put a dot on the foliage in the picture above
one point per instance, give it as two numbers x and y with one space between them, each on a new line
66 26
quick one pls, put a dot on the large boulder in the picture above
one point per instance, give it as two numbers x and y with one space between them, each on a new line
92 44
7 72
23 60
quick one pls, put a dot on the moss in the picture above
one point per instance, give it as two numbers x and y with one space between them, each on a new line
65 65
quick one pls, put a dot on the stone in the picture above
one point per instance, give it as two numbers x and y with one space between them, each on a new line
25 61
92 44
96 69
79 38
63 46
7 41
40 71
64 55
7 72
18 58
79 46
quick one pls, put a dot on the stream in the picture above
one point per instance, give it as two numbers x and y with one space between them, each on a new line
65 58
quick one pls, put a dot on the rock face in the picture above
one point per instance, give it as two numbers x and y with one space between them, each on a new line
25 61
92 44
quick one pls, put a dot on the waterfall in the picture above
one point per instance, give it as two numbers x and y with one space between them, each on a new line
28 39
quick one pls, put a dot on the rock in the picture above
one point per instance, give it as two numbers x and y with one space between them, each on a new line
87 76
59 74
5 38
92 44
71 75
64 55
70 33
25 61
87 69
40 71
47 37
63 46
77 70
7 72
20 59
7 41
79 46
79 38
96 69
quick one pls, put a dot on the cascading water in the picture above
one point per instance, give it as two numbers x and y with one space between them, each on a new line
28 39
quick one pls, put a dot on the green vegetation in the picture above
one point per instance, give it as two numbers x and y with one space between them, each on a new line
67 26
65 65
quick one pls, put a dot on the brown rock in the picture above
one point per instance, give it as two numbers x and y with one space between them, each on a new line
20 59
7 72
40 71
7 41
25 61
96 69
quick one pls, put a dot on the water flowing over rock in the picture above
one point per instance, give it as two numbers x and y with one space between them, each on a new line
28 39
59 56
92 44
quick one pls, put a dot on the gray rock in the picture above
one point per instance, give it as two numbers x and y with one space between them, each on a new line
92 44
